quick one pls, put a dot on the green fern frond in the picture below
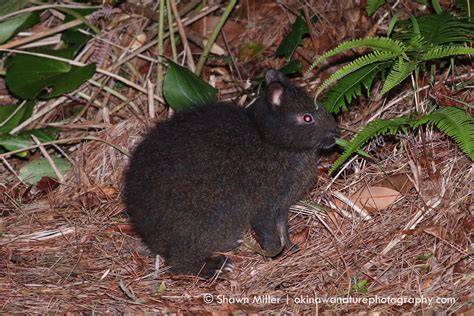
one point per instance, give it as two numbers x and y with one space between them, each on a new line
360 62
377 43
373 5
417 42
452 50
344 143
456 123
437 29
349 88
397 74
375 128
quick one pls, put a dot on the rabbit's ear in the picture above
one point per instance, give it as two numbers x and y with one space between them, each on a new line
274 94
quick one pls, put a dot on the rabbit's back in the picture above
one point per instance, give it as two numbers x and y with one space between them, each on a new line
209 170
198 181
186 176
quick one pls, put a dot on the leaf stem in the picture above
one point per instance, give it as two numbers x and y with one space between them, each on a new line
159 65
213 36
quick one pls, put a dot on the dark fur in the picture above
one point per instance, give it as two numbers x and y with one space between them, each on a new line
198 181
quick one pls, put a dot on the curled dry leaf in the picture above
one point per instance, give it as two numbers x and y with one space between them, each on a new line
460 267
232 29
254 10
104 191
437 231
468 224
442 95
122 228
47 184
44 186
374 198
138 41
215 49
427 283
434 230
301 237
335 220
397 182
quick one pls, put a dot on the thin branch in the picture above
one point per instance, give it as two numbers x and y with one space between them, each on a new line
182 34
213 36
49 159
159 50
66 141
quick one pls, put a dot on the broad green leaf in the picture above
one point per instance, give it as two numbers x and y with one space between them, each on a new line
291 41
437 6
10 27
34 170
182 89
292 67
30 77
13 26
84 12
373 5
74 38
23 139
9 119
9 6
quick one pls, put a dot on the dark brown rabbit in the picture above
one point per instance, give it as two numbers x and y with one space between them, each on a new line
200 180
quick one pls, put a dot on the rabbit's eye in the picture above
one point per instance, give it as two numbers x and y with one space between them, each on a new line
308 118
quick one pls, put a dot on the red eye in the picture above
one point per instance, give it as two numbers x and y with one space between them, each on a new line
308 118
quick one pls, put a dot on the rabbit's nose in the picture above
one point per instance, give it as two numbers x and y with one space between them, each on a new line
329 141
336 132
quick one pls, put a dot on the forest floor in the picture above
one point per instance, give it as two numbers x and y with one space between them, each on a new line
69 247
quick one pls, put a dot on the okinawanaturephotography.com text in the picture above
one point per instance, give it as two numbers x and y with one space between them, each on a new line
313 300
